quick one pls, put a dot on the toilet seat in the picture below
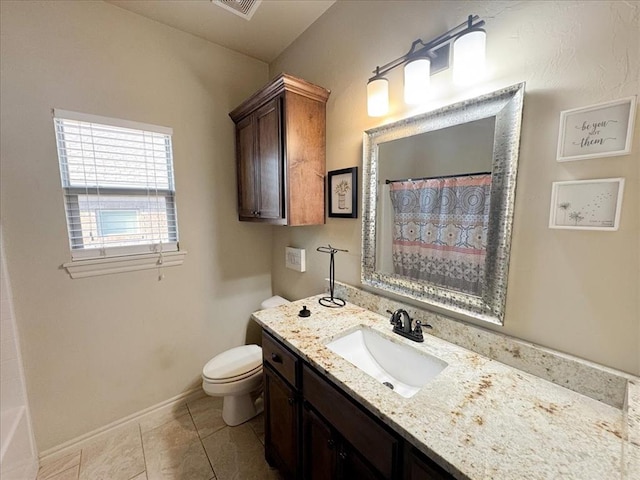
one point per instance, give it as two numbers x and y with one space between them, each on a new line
256 371
233 365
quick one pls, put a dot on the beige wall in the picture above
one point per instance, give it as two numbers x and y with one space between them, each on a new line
574 291
98 349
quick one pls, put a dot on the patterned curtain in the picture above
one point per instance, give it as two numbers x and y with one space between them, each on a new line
440 230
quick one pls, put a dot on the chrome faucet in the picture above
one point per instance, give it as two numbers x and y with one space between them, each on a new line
403 325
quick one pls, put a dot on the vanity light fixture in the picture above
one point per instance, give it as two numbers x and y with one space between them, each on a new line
428 58
377 96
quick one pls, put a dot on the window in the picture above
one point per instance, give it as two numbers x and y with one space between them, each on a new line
117 222
119 191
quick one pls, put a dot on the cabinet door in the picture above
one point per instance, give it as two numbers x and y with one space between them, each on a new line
418 467
281 424
270 162
351 465
247 168
319 447
359 430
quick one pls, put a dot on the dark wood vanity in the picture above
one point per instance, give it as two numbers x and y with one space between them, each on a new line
315 431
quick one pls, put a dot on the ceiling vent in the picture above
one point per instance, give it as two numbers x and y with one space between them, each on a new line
242 8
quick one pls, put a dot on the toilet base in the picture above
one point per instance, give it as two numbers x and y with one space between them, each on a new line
237 409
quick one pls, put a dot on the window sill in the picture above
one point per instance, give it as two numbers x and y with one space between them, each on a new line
131 263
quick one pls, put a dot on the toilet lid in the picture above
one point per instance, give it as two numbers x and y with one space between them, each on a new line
235 362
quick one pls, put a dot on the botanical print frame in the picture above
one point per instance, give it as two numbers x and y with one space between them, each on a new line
343 193
602 130
586 204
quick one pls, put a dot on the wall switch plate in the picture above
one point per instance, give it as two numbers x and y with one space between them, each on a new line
295 259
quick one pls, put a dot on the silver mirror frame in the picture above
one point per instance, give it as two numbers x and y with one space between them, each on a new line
506 105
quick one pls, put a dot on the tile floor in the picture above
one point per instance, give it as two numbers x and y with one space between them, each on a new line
186 442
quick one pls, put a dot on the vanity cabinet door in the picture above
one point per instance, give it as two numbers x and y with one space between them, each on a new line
351 465
319 447
418 467
327 456
281 424
365 444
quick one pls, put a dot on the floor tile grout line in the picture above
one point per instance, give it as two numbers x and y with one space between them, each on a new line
144 456
138 474
58 473
80 462
197 429
165 422
215 476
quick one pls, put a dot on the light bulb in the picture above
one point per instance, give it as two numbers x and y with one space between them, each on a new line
417 76
469 53
378 97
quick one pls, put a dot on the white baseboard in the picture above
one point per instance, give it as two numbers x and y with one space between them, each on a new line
83 440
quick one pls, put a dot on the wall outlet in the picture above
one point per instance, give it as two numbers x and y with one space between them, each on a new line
295 259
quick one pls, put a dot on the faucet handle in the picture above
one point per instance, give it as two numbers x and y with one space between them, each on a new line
417 331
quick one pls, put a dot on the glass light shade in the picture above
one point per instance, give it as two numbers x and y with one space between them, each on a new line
417 76
378 97
469 53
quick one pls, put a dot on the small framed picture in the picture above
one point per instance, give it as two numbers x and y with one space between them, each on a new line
602 130
343 193
586 204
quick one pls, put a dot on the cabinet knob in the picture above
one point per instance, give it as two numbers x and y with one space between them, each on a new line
343 455
291 400
257 214
331 443
276 358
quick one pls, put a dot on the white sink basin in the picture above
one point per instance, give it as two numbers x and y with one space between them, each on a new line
393 364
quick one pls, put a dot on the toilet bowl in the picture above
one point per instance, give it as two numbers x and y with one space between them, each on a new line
236 375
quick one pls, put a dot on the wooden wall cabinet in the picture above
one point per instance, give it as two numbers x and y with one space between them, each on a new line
280 153
313 431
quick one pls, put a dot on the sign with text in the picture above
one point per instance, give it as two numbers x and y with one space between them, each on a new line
603 130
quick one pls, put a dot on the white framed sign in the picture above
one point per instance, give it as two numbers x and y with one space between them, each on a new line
602 130
586 204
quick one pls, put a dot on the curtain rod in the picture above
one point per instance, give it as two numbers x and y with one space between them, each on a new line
437 177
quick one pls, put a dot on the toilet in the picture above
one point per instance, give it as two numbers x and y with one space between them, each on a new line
236 375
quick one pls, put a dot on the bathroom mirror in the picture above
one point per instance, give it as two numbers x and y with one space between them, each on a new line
438 200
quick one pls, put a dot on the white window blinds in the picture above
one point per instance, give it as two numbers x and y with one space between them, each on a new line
118 184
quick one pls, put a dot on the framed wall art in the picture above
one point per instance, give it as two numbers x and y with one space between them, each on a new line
602 130
343 193
586 204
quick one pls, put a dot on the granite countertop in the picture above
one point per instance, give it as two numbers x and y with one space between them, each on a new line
479 418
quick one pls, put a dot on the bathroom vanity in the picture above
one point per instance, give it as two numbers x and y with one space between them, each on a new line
477 418
315 431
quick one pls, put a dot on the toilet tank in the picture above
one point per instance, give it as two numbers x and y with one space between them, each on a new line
273 302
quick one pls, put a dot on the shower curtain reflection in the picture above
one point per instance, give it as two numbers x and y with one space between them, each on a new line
440 230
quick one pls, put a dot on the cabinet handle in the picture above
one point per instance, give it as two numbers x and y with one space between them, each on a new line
343 455
276 358
257 214
291 400
331 443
